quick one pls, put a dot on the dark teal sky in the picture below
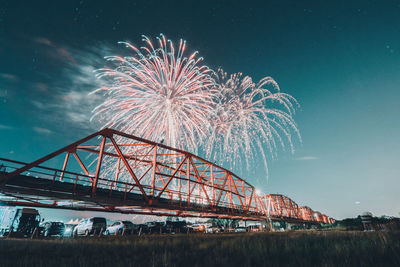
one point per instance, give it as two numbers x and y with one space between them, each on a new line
341 60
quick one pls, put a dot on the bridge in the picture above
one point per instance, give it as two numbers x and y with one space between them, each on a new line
112 171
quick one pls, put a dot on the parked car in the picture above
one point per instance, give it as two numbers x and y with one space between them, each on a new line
19 222
253 228
197 228
213 230
156 227
90 226
119 227
69 229
240 229
141 229
173 227
52 228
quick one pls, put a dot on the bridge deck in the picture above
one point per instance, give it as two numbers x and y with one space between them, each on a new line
81 197
38 192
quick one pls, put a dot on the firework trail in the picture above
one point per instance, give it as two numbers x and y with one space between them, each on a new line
250 119
159 94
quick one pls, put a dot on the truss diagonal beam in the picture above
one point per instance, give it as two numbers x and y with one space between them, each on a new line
129 168
45 158
172 176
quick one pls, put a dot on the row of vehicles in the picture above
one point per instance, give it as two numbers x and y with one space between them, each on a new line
98 226
24 222
87 227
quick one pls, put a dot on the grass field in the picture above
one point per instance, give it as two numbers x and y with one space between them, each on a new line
331 248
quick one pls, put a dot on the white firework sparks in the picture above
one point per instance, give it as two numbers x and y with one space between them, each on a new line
250 119
158 94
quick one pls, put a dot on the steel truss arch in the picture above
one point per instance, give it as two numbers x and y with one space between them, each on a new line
117 172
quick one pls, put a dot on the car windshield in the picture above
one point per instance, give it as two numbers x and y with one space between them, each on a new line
58 223
127 223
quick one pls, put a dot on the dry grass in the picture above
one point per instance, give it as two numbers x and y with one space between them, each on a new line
332 248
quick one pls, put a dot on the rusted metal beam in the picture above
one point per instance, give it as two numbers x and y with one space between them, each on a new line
129 168
99 160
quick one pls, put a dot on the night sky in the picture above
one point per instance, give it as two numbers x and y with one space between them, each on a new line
341 61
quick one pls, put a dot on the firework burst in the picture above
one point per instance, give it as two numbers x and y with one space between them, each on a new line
250 119
158 93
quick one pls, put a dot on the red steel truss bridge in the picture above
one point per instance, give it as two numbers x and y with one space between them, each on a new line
116 172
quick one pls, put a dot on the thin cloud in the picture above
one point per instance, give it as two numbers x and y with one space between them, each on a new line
42 130
76 103
307 158
3 93
68 99
38 104
78 117
43 41
9 77
5 127
41 87
55 50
